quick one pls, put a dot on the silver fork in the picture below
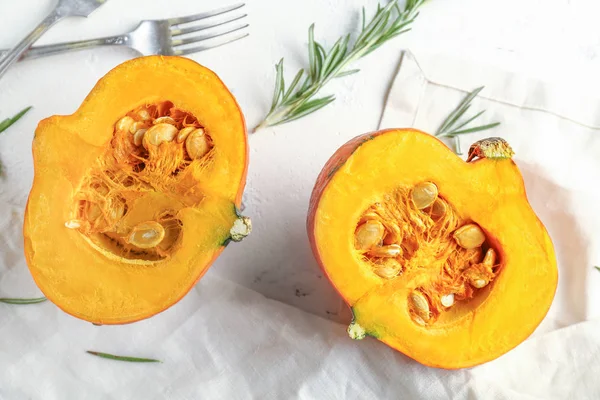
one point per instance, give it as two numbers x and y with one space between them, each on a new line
64 8
161 37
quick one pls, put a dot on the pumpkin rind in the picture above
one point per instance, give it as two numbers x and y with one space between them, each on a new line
93 284
488 191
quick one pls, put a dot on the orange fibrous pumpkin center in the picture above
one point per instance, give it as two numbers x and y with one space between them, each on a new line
416 233
128 202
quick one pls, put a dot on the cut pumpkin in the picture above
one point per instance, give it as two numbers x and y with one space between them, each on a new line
441 259
137 192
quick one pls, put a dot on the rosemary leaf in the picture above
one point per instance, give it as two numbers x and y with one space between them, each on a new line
452 127
387 23
22 301
597 268
476 129
309 107
293 84
4 125
348 72
279 84
122 358
467 122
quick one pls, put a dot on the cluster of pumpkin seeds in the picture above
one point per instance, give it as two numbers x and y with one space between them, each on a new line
415 231
150 150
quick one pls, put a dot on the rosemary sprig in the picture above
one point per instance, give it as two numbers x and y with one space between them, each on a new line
22 301
122 358
452 126
4 125
298 99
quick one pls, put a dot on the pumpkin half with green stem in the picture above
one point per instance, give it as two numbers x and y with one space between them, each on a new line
442 259
137 192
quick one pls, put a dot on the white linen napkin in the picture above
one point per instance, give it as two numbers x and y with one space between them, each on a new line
224 341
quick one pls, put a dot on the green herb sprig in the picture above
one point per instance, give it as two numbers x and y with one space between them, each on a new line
36 300
122 358
298 99
453 126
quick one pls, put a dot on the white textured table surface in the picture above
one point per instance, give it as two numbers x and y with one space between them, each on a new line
555 40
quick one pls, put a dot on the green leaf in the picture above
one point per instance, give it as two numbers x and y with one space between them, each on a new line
293 85
597 268
346 73
310 107
363 19
122 358
469 120
279 85
476 129
312 52
22 301
4 125
319 56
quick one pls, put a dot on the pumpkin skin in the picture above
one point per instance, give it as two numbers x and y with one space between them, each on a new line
85 273
489 192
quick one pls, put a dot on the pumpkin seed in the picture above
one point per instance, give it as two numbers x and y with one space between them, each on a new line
424 194
146 234
369 234
447 300
490 258
73 224
392 250
93 211
183 134
159 134
144 114
388 269
439 208
164 120
125 123
197 144
136 126
138 137
479 283
117 209
469 236
420 304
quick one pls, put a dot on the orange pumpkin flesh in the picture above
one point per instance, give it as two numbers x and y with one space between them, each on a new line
412 284
126 212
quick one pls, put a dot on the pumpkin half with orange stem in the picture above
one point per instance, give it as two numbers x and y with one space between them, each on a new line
443 260
137 192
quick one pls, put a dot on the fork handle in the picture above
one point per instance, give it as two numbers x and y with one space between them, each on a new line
16 52
52 49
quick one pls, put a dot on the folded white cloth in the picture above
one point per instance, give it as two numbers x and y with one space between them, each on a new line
224 341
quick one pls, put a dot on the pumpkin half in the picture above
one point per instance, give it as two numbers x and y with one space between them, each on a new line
137 192
443 260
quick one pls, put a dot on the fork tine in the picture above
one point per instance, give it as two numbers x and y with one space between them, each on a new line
196 28
207 14
199 38
208 46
